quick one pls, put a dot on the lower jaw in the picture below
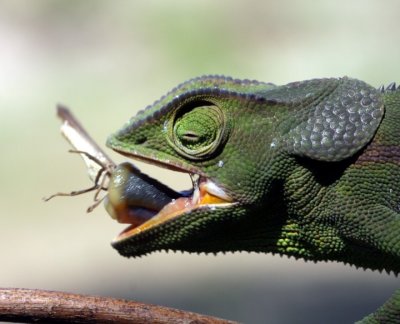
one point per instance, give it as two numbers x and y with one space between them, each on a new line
202 196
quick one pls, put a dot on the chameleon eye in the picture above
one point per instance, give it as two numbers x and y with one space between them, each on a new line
197 130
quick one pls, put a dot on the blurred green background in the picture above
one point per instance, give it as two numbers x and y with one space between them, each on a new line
108 59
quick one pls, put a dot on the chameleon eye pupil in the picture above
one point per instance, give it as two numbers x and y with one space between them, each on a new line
190 137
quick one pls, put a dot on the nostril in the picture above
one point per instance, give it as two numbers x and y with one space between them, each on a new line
141 140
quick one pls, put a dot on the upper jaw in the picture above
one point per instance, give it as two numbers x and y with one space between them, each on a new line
168 164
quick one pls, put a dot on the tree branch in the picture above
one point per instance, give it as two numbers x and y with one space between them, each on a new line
40 306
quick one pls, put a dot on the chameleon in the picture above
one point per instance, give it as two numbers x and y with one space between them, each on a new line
309 169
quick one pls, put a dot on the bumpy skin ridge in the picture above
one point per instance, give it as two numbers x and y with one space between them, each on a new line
313 168
206 85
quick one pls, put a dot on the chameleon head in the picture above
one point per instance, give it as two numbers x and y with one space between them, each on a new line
194 129
243 140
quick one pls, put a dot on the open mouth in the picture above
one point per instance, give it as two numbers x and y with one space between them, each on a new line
143 202
133 197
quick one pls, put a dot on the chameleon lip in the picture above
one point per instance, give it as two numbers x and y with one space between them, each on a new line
205 194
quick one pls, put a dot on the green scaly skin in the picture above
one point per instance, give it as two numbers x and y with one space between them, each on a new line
312 169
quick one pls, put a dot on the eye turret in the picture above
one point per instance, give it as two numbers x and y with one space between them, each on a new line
197 130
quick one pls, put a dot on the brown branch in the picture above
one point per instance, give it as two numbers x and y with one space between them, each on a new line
40 306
